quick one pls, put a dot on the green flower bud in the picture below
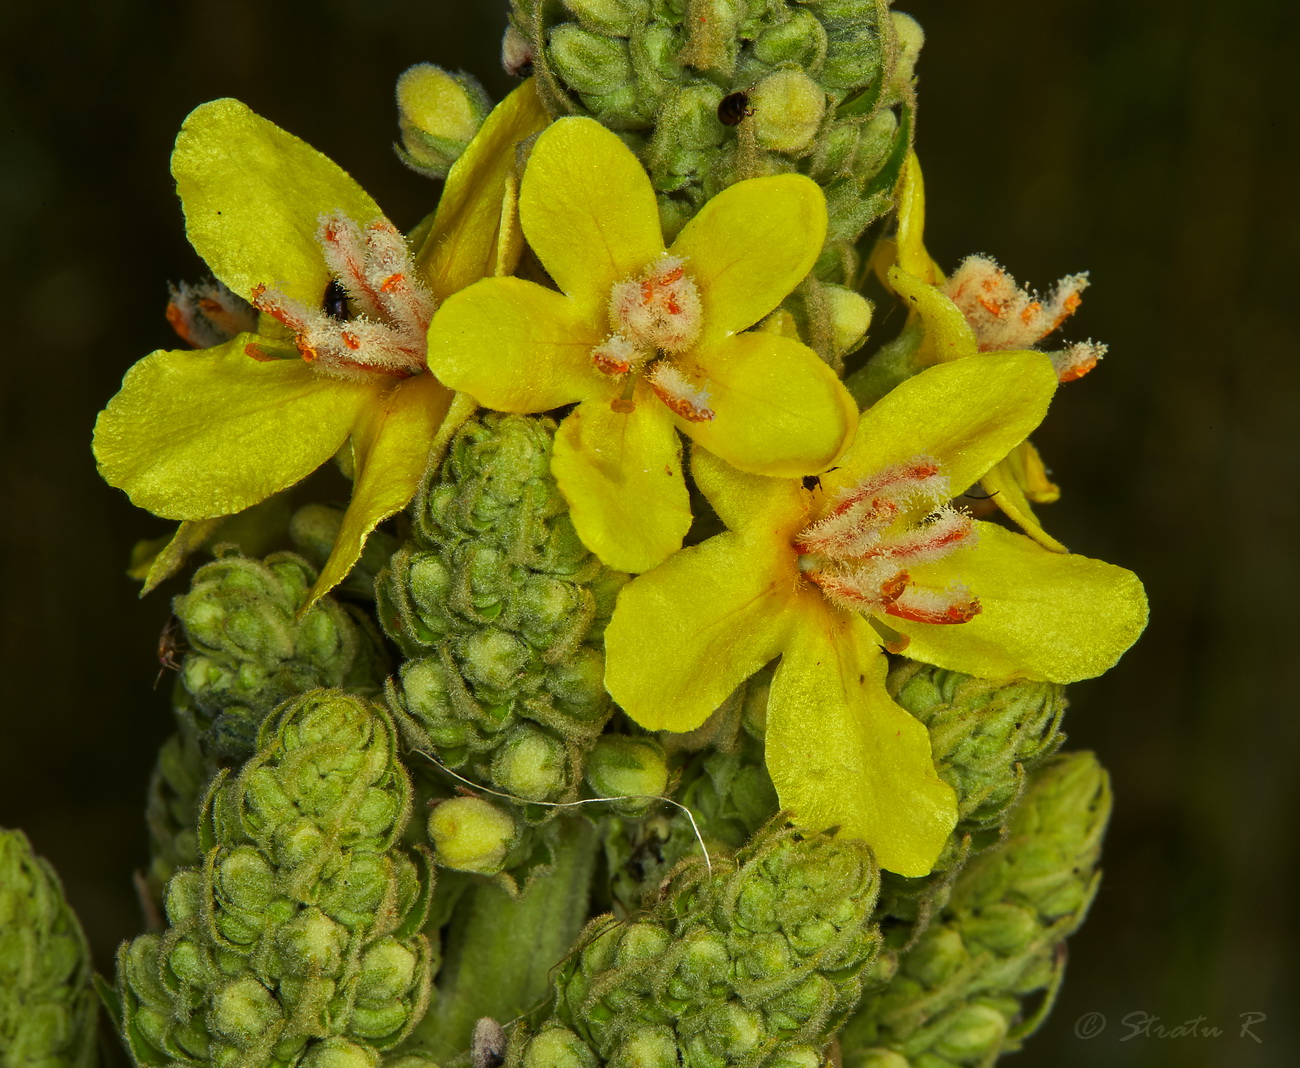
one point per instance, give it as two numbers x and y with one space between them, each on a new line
47 1005
470 834
248 650
500 610
555 1046
439 114
959 995
304 909
624 766
788 109
762 957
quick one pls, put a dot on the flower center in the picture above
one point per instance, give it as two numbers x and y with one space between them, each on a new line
653 317
373 269
860 550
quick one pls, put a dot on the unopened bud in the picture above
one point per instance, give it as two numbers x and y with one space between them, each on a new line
340 1053
788 108
438 113
470 834
622 766
531 764
850 317
558 1047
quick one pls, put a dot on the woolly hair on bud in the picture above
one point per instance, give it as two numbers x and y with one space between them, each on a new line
983 976
47 1005
758 961
297 938
500 610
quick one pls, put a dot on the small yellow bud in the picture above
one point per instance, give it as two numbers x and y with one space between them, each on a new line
788 108
850 315
470 834
439 113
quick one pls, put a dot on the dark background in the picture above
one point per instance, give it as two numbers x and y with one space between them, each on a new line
1153 144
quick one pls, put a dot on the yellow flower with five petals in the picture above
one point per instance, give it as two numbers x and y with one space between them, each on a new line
199 435
872 558
648 340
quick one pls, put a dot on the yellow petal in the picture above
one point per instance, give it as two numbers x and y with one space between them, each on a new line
156 561
1001 484
463 241
842 754
1043 615
912 256
689 632
515 346
779 410
967 415
253 196
749 246
390 451
193 435
948 336
621 473
748 502
588 210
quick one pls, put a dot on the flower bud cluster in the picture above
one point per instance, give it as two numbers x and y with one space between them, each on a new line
296 941
962 993
712 92
248 650
47 1005
500 610
757 962
985 735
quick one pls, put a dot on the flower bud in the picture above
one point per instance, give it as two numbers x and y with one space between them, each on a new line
556 1046
439 114
470 834
631 767
788 108
47 1005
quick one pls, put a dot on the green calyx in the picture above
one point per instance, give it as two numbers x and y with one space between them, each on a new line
758 960
500 610
710 92
248 649
961 992
296 940
438 113
47 1005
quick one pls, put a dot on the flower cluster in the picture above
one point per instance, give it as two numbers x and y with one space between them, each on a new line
694 546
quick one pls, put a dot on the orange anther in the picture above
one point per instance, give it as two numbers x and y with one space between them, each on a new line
392 282
351 340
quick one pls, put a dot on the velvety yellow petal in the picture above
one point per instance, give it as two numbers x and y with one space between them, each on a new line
1044 615
390 451
192 435
911 254
686 634
779 410
842 754
750 502
750 246
253 196
1000 483
588 210
948 336
967 415
514 346
621 473
462 244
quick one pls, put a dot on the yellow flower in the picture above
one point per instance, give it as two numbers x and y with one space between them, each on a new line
338 355
648 339
874 556
981 309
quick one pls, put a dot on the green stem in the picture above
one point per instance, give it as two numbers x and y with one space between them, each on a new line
500 950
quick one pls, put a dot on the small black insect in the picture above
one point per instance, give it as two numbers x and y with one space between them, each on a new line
733 107
336 301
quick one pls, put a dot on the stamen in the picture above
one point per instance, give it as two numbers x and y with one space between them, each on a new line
615 356
1002 313
658 310
374 269
923 605
853 524
206 313
1077 360
686 400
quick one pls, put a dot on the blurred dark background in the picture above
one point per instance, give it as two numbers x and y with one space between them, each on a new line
1152 144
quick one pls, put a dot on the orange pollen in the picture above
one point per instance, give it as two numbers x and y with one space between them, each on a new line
351 340
392 282
1029 311
993 307
609 365
258 353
